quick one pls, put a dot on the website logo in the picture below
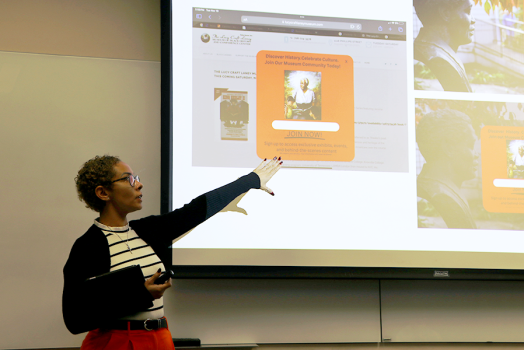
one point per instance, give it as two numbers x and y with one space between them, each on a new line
205 38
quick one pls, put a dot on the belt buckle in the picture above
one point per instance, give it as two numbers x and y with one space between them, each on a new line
150 329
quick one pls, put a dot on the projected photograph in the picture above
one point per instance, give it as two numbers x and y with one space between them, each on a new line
234 115
515 157
302 95
467 172
469 46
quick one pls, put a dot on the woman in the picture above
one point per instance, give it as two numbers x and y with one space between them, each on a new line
132 316
305 99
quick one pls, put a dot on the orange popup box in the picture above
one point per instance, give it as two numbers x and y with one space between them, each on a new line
502 151
305 106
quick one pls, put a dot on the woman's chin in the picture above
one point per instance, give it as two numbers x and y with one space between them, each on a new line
136 208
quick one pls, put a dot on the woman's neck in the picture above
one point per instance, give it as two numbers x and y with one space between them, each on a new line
111 217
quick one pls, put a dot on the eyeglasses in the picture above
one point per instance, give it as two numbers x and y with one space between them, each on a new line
129 178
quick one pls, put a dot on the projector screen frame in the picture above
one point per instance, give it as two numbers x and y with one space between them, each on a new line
322 272
278 272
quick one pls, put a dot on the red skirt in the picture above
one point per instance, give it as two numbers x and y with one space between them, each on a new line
113 339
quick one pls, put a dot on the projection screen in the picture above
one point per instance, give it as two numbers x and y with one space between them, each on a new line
401 129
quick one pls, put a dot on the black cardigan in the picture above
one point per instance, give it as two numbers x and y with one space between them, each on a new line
90 257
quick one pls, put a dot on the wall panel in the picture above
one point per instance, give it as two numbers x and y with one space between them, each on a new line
452 311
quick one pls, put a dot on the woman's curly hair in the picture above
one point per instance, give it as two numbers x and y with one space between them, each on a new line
97 171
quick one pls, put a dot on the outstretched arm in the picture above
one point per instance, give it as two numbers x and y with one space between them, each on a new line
218 199
182 220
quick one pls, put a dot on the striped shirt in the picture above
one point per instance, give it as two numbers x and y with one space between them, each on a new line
126 249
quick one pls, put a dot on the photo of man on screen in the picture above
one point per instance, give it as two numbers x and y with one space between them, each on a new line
447 24
465 46
446 139
466 164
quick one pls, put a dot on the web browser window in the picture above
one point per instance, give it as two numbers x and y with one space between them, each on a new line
322 92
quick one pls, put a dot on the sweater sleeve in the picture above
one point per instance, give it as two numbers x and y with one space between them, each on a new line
218 199
182 220
84 308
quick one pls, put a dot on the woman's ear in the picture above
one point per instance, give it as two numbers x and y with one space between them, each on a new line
102 193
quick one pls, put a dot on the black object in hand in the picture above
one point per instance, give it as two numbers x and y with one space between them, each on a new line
164 277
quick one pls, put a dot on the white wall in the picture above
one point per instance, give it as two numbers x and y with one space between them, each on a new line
60 112
59 108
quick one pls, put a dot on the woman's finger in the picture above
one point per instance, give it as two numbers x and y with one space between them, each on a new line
153 278
268 190
261 165
268 164
275 167
271 169
166 284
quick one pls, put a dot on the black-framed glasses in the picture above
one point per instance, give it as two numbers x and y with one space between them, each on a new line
132 179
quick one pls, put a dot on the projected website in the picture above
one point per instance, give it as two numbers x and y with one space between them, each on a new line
395 146
321 92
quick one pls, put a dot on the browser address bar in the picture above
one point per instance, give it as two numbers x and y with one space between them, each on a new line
298 23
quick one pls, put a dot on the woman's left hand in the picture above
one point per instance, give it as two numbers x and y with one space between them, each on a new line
266 170
156 290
